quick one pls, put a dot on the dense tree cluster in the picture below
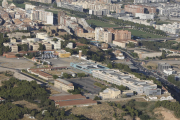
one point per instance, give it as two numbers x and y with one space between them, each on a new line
13 89
3 40
130 109
156 45
22 47
137 26
174 106
9 111
31 55
171 79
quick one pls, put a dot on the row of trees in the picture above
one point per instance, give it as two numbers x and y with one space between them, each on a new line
137 26
13 90
156 45
171 79
3 39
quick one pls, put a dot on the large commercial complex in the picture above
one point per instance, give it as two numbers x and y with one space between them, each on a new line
116 77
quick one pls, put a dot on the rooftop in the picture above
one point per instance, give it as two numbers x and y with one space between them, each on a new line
64 82
76 102
67 97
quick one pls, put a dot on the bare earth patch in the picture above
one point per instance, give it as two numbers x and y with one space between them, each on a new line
165 114
27 104
97 112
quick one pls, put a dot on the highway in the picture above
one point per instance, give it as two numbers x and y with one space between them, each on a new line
173 89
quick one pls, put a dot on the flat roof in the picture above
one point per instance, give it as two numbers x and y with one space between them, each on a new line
76 102
64 81
67 97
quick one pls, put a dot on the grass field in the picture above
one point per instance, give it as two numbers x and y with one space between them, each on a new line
142 34
100 23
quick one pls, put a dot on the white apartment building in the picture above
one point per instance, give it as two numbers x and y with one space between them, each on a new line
171 28
143 16
97 5
133 83
148 1
99 34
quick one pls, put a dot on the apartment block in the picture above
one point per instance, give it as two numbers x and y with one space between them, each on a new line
107 37
139 9
43 1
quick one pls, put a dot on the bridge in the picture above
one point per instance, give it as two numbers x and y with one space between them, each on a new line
158 39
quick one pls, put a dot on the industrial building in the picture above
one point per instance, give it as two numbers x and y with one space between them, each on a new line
63 85
110 93
87 67
72 100
133 83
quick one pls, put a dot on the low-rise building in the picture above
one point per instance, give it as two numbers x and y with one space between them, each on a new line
110 93
63 53
142 54
72 100
145 16
169 71
63 85
48 46
14 48
163 66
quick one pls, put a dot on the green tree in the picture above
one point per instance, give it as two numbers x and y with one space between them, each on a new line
55 76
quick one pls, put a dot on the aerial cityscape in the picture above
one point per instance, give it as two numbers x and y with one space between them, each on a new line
89 60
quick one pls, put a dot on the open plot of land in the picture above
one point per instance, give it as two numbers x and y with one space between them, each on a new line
3 78
97 112
164 114
100 23
86 83
15 63
27 104
52 91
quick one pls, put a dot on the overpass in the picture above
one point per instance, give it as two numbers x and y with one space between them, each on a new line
158 39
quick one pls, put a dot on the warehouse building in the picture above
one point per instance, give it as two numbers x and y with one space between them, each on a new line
133 83
63 85
72 100
87 67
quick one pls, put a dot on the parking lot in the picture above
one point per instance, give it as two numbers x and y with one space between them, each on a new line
86 83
